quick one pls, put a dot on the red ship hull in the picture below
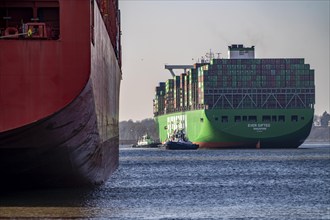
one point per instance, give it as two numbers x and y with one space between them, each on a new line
59 98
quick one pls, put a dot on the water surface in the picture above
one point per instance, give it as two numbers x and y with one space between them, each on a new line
200 184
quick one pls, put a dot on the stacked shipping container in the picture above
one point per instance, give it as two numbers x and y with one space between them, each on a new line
159 101
242 83
258 73
182 90
169 96
193 83
186 90
177 92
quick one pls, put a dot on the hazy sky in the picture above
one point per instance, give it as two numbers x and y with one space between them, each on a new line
155 33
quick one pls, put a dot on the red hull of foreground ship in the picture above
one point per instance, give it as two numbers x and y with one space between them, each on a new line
59 92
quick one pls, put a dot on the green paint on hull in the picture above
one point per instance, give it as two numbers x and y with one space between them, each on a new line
251 128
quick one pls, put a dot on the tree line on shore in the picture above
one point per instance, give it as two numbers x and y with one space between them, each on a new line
130 130
322 120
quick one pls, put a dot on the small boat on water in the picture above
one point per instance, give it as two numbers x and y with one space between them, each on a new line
180 145
179 141
146 142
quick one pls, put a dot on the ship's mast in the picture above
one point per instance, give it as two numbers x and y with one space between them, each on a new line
209 56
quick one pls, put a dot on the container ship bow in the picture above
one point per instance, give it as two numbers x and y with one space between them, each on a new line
59 92
239 102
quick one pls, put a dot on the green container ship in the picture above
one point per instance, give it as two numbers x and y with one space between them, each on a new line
240 102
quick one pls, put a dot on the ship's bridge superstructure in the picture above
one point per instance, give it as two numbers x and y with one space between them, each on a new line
238 51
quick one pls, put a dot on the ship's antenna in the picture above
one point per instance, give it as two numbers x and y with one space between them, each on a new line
209 55
218 55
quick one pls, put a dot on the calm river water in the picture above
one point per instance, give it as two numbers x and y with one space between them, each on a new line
200 184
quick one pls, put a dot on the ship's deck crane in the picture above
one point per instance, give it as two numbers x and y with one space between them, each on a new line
172 67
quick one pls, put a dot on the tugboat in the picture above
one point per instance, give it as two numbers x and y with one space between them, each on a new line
146 142
179 141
